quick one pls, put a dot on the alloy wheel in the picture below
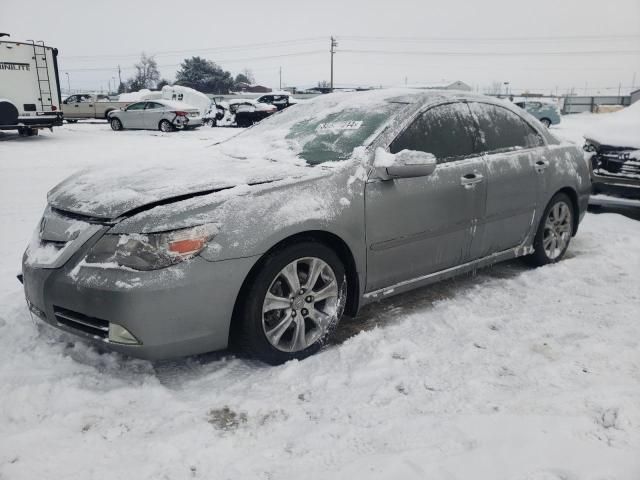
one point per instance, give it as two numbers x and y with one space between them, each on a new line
301 304
557 230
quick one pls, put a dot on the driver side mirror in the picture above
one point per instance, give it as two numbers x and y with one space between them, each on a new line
404 164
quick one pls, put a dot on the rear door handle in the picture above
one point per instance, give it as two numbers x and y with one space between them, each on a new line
470 179
541 165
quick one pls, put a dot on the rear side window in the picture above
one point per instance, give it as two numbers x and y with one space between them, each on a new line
136 106
445 131
502 130
152 105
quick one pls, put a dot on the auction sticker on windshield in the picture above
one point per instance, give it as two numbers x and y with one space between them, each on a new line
332 126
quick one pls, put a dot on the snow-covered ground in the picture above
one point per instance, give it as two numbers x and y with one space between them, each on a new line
512 374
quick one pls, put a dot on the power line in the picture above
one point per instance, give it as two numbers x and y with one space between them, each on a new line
237 60
492 39
492 54
247 46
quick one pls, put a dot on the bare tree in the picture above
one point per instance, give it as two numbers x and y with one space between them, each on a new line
147 74
248 74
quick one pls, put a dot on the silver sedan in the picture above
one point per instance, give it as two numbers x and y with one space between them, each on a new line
265 242
163 115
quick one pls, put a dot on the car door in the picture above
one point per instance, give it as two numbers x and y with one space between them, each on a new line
133 116
511 148
85 108
418 226
153 113
74 107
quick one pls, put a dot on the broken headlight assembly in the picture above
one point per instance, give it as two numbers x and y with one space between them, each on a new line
151 251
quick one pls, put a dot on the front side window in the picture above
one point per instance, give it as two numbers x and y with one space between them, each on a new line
445 131
72 99
502 130
136 106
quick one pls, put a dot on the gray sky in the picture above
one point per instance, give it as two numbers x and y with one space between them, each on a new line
381 42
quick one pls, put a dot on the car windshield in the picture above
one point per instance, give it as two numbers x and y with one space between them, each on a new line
328 128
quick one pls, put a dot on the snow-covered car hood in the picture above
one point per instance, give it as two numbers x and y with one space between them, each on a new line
110 192
619 129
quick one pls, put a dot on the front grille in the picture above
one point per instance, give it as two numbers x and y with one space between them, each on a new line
84 323
616 162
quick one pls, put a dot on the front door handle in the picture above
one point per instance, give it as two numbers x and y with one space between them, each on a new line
470 179
541 165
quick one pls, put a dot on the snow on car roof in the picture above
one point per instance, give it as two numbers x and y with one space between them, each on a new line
618 129
176 104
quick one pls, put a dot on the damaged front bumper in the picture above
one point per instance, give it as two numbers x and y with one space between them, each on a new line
180 310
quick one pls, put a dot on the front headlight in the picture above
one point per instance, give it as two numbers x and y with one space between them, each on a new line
151 251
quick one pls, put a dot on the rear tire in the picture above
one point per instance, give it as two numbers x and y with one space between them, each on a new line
116 124
292 305
165 126
71 120
546 122
554 232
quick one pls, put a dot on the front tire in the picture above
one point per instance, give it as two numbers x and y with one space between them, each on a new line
116 124
293 303
554 232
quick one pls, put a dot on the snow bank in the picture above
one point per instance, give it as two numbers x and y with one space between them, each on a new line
512 374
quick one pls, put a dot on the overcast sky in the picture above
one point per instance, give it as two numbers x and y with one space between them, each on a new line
384 42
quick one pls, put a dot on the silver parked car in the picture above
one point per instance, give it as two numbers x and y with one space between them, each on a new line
164 115
314 212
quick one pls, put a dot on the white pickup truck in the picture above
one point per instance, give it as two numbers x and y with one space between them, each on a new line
86 105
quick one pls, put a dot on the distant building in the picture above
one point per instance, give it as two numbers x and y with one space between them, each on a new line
249 88
635 95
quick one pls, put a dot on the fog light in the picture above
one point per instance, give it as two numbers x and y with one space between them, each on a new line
119 334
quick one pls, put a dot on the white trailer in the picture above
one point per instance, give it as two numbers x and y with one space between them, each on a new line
29 86
187 95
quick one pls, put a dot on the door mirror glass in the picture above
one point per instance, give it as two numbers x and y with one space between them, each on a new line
404 164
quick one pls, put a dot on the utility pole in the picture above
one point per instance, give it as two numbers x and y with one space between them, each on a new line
68 82
334 44
280 78
119 77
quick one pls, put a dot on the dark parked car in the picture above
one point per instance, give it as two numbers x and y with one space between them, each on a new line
614 145
278 100
312 213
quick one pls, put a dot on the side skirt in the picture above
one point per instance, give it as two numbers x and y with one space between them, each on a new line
424 280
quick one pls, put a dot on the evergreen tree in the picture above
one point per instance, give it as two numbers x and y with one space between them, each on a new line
204 75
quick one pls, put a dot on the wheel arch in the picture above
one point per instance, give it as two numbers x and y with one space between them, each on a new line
330 240
573 196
